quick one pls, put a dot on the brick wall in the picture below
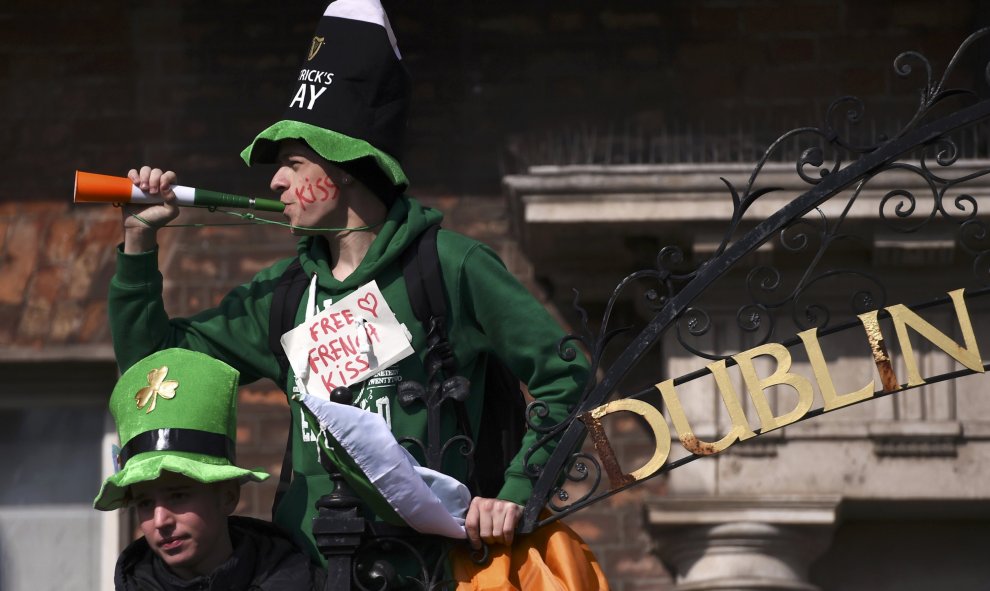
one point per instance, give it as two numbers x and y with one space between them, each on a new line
187 84
184 84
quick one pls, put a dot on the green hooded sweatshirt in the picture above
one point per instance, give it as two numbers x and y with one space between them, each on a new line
490 312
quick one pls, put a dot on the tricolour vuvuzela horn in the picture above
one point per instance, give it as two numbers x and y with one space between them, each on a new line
101 188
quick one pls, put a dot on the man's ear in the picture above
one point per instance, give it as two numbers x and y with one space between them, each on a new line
230 495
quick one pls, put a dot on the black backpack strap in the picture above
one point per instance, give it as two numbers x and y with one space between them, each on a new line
282 318
424 279
424 284
499 437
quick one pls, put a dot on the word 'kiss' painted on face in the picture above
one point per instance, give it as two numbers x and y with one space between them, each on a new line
322 189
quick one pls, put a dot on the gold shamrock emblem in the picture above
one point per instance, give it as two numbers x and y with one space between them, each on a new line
157 386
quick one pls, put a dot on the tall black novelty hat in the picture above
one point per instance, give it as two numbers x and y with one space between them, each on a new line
351 97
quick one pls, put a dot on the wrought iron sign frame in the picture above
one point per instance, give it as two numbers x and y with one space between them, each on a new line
345 537
676 291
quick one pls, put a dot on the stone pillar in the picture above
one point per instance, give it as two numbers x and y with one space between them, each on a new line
756 544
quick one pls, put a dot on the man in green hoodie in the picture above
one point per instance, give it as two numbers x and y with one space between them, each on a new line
343 191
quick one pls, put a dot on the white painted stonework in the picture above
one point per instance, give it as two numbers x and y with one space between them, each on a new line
835 503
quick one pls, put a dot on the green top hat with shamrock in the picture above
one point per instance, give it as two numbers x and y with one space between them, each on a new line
349 100
175 411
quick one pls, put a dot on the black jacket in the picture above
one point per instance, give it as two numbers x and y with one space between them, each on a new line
264 559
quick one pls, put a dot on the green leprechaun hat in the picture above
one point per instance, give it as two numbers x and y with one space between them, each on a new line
175 411
350 99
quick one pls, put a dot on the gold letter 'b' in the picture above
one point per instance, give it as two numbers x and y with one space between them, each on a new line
780 377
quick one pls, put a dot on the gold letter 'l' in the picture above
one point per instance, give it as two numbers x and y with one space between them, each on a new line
833 399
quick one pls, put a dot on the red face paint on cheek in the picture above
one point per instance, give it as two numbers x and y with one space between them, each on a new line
300 199
331 189
322 190
301 194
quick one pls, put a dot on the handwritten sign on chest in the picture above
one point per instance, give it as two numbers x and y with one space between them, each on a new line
347 343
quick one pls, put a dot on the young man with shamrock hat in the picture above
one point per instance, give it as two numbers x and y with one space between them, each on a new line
176 417
336 152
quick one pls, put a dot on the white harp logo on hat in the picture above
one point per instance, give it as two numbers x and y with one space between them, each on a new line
315 46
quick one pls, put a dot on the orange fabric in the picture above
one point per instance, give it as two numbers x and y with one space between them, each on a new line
552 558
91 188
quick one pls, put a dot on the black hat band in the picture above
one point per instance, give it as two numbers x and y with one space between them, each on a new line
178 440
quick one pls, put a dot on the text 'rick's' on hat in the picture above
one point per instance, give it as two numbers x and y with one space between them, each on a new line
349 100
175 411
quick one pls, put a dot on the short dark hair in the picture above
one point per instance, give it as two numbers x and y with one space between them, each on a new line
366 170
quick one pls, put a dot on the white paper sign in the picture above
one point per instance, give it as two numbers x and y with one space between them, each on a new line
347 343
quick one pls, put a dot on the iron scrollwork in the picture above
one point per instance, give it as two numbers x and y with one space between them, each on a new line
830 165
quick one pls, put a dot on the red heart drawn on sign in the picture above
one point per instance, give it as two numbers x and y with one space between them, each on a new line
369 303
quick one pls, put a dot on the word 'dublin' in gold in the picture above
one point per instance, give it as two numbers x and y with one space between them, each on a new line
967 354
